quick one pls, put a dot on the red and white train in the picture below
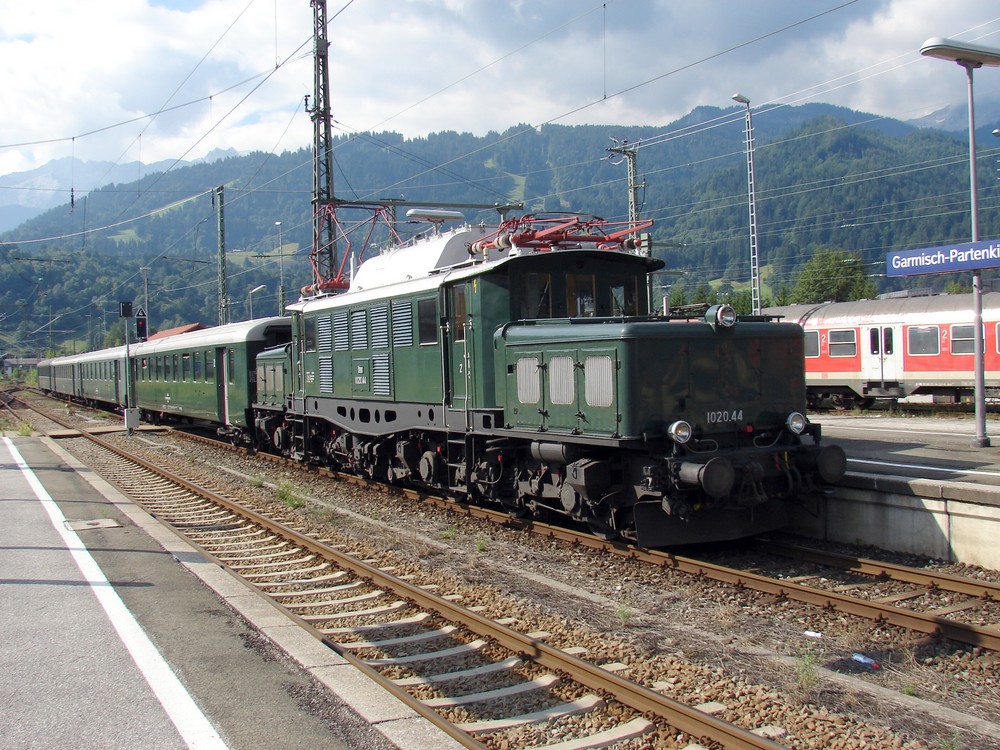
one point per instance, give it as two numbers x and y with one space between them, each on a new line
917 348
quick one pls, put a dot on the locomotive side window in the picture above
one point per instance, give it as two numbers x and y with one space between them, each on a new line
529 389
562 380
324 333
309 340
963 339
812 343
536 301
402 323
359 329
380 327
599 380
923 340
580 295
341 332
844 343
427 321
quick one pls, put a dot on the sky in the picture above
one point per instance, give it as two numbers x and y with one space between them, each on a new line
149 80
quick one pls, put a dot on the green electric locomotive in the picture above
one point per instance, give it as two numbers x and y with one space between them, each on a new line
521 366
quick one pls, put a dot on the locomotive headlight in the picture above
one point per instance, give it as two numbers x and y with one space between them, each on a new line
796 423
680 432
721 315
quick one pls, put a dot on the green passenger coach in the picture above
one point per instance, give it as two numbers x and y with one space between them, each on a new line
208 375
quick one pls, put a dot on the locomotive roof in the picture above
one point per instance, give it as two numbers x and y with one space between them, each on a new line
432 261
923 309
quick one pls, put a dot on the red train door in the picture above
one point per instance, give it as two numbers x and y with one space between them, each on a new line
882 356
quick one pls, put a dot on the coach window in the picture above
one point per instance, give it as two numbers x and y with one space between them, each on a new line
880 340
812 343
923 340
209 367
427 323
580 295
186 366
536 299
199 362
844 343
963 339
231 364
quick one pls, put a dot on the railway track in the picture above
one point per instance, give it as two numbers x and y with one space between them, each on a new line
964 610
476 678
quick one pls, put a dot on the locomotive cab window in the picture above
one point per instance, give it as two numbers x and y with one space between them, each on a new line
536 296
923 340
963 339
624 298
844 343
580 295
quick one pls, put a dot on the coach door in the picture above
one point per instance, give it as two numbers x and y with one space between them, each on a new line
882 355
221 381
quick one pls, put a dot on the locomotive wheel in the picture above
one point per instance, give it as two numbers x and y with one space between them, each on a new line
599 522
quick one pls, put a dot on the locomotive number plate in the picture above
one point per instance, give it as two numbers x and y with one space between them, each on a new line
724 415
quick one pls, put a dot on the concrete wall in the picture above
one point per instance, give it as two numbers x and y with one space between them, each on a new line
957 522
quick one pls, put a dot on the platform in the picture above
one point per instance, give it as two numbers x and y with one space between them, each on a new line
115 633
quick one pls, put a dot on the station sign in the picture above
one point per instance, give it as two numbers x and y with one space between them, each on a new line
965 256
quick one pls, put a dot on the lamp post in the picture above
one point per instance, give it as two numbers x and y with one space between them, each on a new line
281 272
752 202
970 57
252 292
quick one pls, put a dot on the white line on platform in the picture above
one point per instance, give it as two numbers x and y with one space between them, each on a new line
193 726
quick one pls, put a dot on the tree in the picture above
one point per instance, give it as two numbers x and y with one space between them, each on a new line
833 276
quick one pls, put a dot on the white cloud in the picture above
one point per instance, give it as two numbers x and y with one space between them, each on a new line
417 66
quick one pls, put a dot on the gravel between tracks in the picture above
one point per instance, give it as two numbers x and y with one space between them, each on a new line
707 641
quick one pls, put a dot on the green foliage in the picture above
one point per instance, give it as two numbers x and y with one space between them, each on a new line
833 276
829 180
287 494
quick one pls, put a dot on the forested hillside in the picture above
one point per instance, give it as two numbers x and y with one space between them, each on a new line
826 178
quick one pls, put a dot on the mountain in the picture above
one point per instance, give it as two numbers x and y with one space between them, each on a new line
955 117
825 177
24 195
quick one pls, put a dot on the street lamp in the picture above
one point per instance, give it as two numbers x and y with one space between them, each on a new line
281 272
752 202
250 295
970 57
